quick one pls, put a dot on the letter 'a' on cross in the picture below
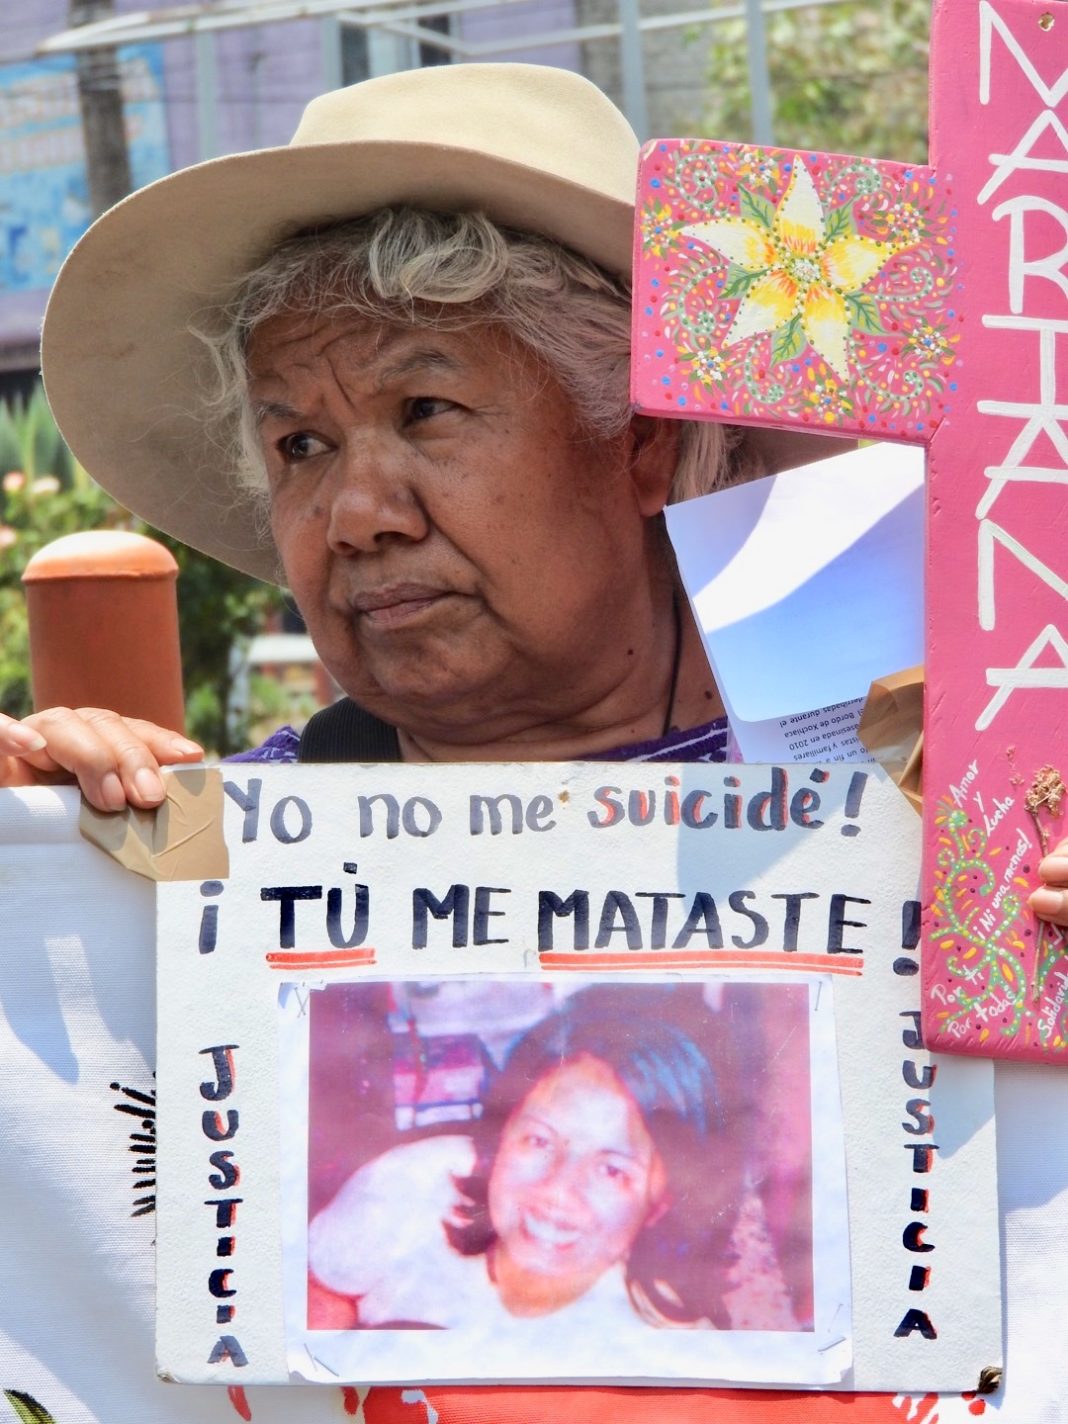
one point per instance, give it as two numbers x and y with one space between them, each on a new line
926 305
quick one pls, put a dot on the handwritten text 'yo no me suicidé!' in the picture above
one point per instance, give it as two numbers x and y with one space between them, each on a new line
777 805
454 912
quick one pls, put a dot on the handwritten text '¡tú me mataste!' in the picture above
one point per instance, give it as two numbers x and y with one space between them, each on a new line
462 916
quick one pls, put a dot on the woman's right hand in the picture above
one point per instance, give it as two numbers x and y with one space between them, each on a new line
114 760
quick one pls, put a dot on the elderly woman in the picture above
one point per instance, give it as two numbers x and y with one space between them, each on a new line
388 365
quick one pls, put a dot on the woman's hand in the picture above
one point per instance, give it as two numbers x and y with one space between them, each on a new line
1051 901
115 760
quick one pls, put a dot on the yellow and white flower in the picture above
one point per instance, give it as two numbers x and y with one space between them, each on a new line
804 274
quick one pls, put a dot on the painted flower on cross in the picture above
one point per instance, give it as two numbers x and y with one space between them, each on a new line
758 167
932 344
800 274
658 230
828 400
904 221
706 365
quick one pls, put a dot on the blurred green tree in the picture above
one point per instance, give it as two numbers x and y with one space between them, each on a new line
45 493
845 78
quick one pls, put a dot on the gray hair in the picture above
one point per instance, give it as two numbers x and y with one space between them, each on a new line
449 271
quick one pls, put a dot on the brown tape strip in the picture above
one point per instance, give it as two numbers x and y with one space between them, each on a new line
891 727
181 840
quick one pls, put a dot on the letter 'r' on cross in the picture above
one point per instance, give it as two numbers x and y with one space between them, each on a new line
925 305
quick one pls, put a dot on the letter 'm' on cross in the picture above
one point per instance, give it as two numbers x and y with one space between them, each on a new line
925 304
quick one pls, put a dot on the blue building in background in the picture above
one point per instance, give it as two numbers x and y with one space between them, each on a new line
185 99
44 205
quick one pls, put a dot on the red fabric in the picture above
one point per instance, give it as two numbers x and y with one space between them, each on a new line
535 1404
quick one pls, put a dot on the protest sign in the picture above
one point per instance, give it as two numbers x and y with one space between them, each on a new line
333 1023
78 1184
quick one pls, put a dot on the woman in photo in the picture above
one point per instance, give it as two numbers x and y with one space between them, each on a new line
599 1186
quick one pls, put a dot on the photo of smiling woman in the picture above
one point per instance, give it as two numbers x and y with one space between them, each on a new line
596 1158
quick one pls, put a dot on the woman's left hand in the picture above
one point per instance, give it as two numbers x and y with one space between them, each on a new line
1050 902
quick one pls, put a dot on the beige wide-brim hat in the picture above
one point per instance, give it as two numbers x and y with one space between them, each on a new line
535 148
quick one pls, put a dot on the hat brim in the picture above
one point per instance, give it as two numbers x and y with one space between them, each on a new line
129 382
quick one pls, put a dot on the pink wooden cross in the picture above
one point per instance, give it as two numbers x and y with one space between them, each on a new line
929 305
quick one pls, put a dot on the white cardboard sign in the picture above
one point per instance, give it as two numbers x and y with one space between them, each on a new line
349 1078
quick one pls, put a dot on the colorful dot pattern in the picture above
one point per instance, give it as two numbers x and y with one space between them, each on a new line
902 356
984 941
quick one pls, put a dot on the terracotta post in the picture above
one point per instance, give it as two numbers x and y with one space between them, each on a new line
103 617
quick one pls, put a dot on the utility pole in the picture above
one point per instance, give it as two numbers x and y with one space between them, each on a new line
107 159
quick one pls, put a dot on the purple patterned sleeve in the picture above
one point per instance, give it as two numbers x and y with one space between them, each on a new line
281 747
707 743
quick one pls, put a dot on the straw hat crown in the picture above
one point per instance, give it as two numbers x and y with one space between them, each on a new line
547 119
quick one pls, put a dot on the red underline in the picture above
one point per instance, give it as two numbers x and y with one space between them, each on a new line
699 959
320 959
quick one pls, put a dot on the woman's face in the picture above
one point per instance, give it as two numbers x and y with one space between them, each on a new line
575 1179
463 554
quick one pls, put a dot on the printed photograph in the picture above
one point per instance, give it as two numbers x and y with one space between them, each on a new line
622 1157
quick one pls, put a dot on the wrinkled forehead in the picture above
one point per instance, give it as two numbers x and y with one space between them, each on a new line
299 356
304 336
